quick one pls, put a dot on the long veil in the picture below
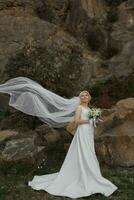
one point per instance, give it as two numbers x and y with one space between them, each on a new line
31 98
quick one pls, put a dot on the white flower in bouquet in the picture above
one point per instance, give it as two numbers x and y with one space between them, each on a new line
95 114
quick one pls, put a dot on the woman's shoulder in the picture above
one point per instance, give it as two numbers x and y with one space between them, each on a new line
79 107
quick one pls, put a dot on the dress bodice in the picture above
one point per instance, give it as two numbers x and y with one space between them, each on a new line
84 112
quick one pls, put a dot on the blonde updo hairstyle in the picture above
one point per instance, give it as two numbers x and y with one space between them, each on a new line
89 96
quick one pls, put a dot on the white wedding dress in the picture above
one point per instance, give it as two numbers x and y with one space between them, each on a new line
80 174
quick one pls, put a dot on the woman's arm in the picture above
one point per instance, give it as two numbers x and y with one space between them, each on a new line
77 117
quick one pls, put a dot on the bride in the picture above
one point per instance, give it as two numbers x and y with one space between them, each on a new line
79 175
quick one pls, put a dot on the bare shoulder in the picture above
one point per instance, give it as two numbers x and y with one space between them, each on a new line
78 107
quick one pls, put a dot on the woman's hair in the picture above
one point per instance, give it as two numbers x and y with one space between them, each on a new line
85 91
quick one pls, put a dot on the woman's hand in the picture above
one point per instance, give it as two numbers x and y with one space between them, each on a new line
90 121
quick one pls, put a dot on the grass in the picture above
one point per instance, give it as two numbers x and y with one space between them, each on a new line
14 187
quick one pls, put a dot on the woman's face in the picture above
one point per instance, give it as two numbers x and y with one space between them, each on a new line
84 97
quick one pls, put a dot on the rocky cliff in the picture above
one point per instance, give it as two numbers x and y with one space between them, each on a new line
67 45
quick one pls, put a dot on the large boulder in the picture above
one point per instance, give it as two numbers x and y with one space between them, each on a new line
125 109
46 135
22 150
27 147
115 136
116 146
6 135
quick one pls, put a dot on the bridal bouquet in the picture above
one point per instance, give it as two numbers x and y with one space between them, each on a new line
95 114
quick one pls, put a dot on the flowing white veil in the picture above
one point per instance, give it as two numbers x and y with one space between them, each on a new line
31 98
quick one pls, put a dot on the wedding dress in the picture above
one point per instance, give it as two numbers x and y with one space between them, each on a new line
80 173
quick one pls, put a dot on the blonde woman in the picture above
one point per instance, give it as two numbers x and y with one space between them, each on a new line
80 174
